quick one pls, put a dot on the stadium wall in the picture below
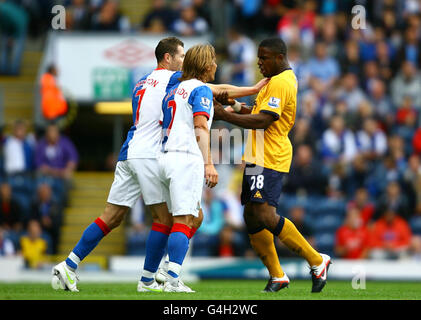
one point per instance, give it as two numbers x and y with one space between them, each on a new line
100 66
128 269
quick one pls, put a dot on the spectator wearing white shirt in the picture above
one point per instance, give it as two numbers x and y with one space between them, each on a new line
18 150
242 55
241 61
371 140
351 93
322 67
406 83
338 142
378 97
7 247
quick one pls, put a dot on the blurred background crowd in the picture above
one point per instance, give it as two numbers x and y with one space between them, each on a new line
354 189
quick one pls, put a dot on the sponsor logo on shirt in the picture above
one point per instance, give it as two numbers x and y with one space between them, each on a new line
274 102
205 102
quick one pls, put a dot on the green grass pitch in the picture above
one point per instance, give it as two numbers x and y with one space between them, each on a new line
217 290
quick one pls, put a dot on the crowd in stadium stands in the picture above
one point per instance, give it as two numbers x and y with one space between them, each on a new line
354 188
13 31
35 178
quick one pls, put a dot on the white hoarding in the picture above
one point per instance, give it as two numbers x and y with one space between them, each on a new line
104 66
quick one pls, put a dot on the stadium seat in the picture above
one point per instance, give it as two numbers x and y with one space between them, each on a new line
325 242
201 245
328 207
21 183
327 223
286 202
415 224
24 200
22 191
136 244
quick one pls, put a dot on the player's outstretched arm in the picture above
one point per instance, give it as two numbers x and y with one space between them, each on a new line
233 105
237 92
247 121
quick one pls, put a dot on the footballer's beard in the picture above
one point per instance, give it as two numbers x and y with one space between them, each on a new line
264 72
176 66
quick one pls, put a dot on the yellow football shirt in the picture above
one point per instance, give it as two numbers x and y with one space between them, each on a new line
271 148
33 251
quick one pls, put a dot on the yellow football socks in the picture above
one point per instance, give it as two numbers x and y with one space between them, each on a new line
263 244
294 240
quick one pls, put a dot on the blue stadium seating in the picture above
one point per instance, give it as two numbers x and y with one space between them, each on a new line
202 245
314 206
325 242
328 207
415 224
327 223
24 201
136 244
22 191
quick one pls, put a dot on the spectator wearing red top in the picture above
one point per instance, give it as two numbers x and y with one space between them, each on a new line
227 244
10 211
352 238
406 112
416 141
299 25
362 203
390 237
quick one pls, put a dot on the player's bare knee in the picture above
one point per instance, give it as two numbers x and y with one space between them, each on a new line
115 221
184 219
113 215
160 214
265 215
163 219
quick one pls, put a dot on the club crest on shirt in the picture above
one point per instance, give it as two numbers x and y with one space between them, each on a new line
274 102
205 102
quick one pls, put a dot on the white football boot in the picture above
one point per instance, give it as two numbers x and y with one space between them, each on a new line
66 276
319 273
181 287
165 279
153 287
162 276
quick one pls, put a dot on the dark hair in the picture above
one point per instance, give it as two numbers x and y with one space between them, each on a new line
51 68
167 45
275 44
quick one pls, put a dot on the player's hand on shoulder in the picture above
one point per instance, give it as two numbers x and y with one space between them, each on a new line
258 86
211 175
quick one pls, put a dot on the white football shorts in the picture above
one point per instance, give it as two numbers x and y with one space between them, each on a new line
182 176
133 178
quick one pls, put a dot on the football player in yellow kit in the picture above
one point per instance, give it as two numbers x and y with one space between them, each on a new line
268 156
